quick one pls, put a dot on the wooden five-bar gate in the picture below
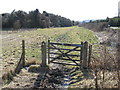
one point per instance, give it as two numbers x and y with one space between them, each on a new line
61 53
66 54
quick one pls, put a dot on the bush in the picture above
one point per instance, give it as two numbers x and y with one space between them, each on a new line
96 26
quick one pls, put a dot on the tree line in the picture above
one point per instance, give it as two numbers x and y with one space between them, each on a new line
100 25
113 22
34 19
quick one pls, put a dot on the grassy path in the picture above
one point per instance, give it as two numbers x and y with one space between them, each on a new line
76 35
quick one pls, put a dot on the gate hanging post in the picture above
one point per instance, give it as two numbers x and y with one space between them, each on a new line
48 51
85 48
81 52
23 52
89 57
43 47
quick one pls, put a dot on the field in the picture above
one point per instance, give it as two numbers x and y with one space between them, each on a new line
11 47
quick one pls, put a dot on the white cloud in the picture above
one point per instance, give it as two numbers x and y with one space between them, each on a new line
73 9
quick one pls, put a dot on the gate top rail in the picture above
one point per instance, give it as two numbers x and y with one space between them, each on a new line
65 44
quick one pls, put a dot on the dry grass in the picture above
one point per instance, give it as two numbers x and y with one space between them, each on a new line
38 69
103 58
32 61
8 76
104 65
34 68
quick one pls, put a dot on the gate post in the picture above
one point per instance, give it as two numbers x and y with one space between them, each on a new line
48 51
89 57
43 48
85 48
23 53
81 52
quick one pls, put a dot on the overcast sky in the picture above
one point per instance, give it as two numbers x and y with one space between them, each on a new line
73 9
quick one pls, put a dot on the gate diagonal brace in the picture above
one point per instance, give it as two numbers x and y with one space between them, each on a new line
62 52
65 54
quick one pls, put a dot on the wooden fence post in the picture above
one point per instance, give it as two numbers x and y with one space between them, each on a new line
48 51
43 47
85 48
21 63
23 52
89 56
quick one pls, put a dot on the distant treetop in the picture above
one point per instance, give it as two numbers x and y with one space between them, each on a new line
34 19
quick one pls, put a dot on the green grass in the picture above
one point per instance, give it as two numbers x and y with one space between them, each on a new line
33 39
76 35
62 35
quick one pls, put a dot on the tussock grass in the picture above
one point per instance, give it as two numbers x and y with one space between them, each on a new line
32 61
7 77
34 68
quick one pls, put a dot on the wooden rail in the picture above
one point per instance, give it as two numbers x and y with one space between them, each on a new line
64 59
63 49
65 44
65 54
